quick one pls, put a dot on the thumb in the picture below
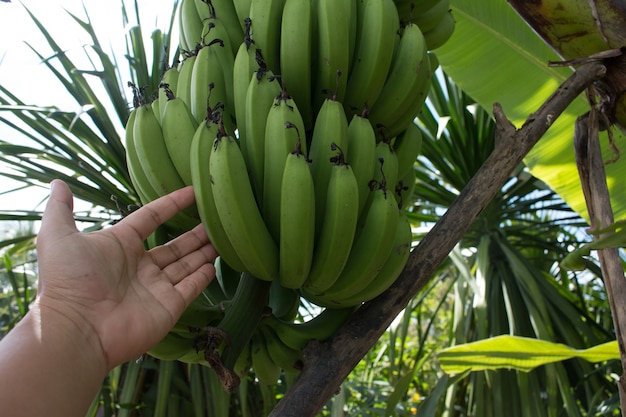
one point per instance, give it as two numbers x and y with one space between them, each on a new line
58 216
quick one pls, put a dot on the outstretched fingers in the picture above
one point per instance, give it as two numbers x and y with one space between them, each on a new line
146 219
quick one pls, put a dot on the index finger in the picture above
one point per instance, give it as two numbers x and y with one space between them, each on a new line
146 219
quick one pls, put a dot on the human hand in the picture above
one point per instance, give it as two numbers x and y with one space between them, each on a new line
106 283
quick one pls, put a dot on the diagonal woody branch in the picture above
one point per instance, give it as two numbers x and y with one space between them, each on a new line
326 365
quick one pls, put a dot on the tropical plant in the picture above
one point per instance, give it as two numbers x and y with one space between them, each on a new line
502 278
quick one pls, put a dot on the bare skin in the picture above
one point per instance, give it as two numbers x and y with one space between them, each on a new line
102 300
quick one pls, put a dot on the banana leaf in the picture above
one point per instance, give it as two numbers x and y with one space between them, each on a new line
495 56
519 353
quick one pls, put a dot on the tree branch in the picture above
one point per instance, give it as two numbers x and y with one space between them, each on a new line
326 365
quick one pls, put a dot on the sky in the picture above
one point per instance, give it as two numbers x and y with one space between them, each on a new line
23 74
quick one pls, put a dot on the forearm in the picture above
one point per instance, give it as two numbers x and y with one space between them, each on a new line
49 366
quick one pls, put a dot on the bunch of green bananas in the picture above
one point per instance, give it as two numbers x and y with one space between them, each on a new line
293 120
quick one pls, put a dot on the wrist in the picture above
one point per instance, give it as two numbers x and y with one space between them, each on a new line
69 330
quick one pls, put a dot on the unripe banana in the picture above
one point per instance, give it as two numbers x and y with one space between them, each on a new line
409 66
395 263
169 80
190 25
386 171
369 252
215 31
373 54
362 146
296 219
243 68
152 152
440 34
338 228
320 328
401 120
284 302
242 7
179 127
146 192
404 190
262 91
282 132
332 54
330 127
207 82
224 10
288 359
155 161
227 277
266 16
296 55
409 9
238 211
266 371
429 19
200 155
183 88
407 146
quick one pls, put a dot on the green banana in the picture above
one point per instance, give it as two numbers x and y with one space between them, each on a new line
227 277
178 126
224 10
181 221
266 371
238 210
409 9
172 347
262 90
286 358
330 127
332 54
242 7
152 152
430 18
395 263
183 88
369 252
440 34
208 88
362 146
282 132
215 30
266 16
399 122
200 155
409 66
244 66
190 25
386 171
170 81
296 219
320 328
407 146
284 302
404 190
373 54
332 247
296 55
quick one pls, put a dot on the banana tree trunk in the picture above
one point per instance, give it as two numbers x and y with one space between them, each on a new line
327 364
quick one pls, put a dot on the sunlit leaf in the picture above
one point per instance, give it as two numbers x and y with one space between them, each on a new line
496 57
520 353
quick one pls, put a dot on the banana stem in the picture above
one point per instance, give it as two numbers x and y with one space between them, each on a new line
326 365
225 343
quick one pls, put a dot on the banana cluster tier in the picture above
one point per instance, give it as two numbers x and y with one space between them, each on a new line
294 122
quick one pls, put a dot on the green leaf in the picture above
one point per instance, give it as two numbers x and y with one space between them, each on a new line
520 353
495 56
